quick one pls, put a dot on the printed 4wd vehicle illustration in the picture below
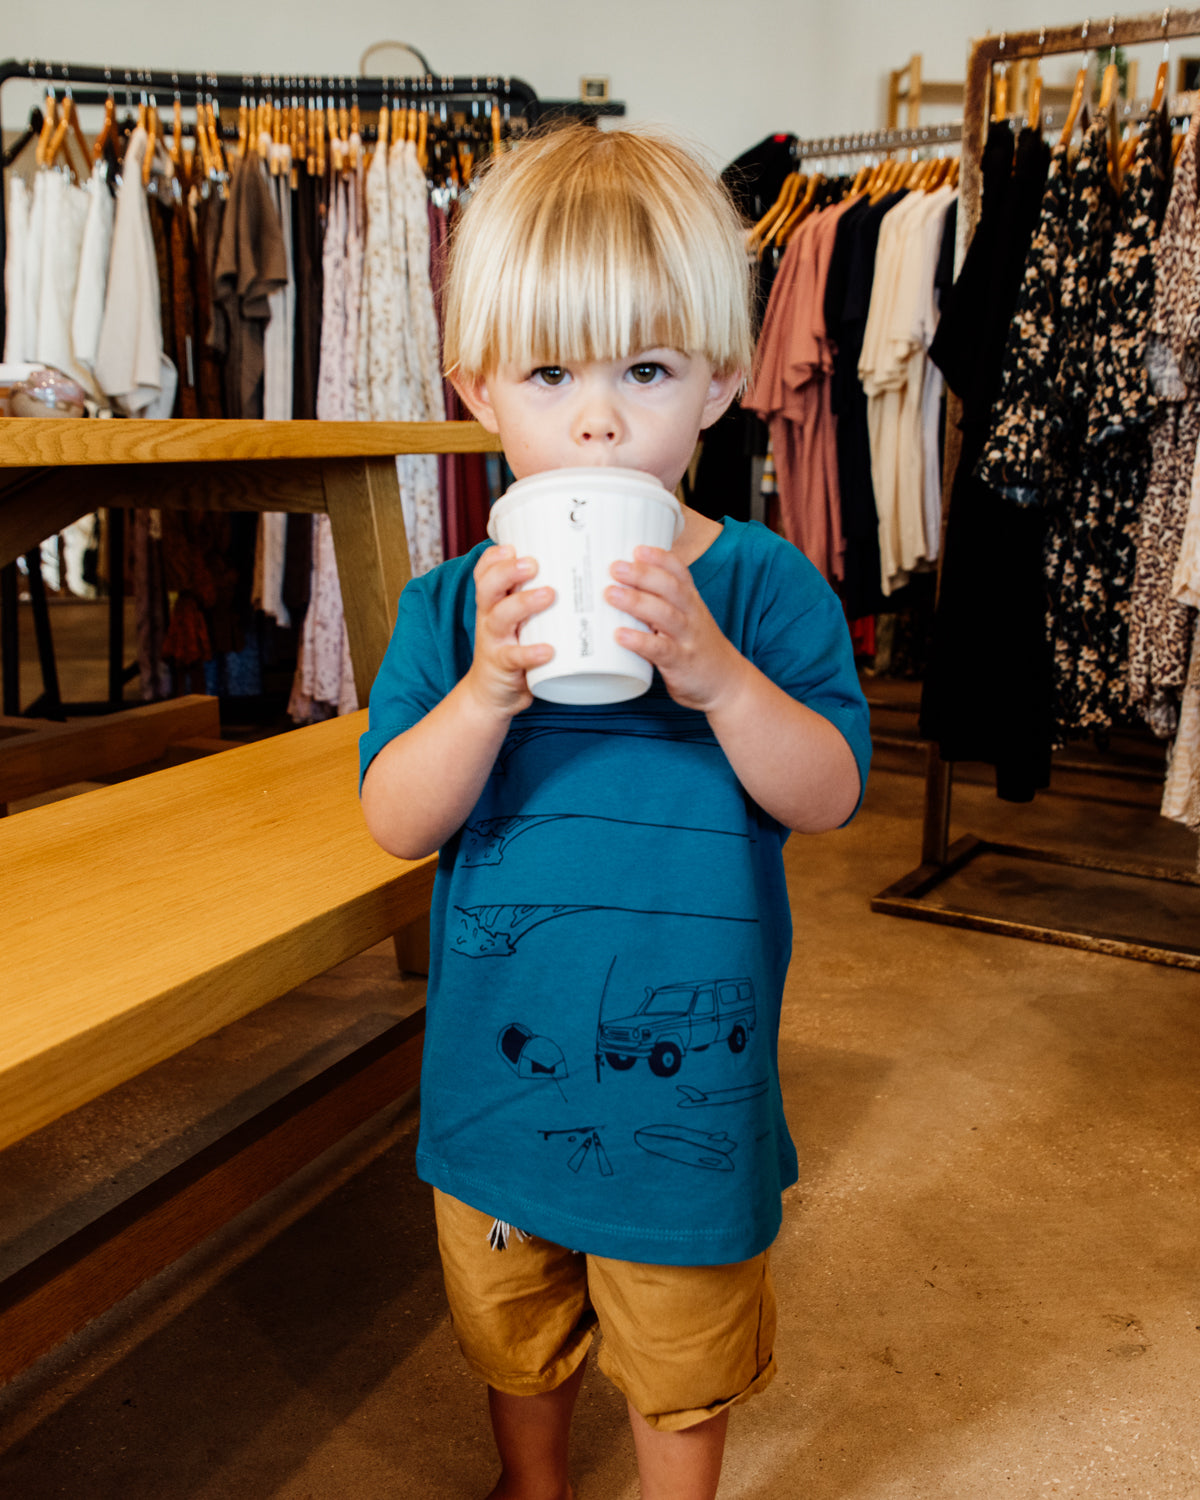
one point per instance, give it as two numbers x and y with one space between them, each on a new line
676 1019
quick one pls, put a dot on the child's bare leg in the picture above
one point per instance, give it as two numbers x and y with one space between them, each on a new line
682 1465
531 1437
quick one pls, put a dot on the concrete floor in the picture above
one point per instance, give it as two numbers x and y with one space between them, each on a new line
989 1270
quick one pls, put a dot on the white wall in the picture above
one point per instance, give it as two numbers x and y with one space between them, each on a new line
724 72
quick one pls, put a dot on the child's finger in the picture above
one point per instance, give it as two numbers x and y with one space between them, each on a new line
512 610
655 572
498 572
652 609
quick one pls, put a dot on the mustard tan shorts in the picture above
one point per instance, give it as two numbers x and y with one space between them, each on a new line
681 1343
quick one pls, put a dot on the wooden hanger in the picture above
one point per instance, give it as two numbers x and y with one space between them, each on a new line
1075 106
60 142
107 131
49 122
1110 87
177 134
354 138
81 140
1108 105
778 210
1033 115
152 134
1160 89
1000 94
783 234
213 130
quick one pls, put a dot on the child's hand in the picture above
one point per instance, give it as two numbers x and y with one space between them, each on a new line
699 664
497 675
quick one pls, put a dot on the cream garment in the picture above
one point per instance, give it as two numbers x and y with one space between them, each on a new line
87 312
886 368
278 337
928 316
324 680
35 241
130 365
418 473
355 251
66 213
1181 792
378 394
421 311
405 363
278 367
18 337
333 383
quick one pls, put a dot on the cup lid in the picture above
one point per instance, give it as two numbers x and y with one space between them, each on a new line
586 479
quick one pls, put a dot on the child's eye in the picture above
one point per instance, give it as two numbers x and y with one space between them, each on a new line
647 372
550 374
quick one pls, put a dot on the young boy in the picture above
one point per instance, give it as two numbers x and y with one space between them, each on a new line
601 1116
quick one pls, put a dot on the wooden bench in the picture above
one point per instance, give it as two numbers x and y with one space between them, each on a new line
37 756
141 917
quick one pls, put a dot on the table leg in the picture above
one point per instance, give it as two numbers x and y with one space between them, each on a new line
363 500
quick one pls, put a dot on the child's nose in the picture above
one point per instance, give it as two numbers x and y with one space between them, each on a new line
597 422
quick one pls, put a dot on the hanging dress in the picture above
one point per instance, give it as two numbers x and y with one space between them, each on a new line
1161 627
1092 637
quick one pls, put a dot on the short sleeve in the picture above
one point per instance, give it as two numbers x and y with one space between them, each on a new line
429 651
801 642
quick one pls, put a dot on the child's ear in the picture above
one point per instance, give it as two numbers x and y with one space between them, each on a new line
721 391
474 393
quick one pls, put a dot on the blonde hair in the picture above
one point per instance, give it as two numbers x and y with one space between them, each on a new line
589 244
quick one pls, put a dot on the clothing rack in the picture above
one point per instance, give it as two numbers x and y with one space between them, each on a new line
908 897
87 84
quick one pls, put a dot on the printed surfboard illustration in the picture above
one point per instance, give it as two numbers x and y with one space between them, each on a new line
495 931
485 842
698 1098
693 1148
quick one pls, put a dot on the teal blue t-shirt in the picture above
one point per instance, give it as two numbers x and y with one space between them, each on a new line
610 935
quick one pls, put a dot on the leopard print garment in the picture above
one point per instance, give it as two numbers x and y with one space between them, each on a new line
1160 628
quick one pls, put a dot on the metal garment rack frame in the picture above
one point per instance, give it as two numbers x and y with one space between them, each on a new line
89 84
939 860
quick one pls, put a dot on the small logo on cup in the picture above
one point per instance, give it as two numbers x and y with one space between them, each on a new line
585 637
578 518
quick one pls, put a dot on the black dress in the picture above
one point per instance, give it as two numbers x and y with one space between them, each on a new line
986 694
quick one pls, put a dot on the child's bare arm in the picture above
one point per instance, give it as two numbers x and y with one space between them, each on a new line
421 786
794 763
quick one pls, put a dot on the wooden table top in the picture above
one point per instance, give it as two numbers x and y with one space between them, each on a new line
48 442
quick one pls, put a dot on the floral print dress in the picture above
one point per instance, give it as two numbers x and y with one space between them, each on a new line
1095 542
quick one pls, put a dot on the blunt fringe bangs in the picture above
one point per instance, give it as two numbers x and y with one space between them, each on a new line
588 244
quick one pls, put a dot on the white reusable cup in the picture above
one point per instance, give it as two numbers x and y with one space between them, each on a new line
577 523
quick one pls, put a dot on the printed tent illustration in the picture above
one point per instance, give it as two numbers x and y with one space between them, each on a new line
530 1056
